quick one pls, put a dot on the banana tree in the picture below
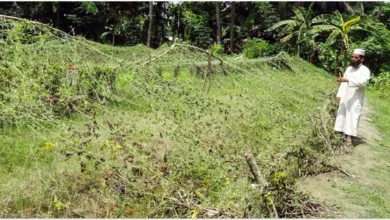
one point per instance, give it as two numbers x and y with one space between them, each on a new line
339 35
245 28
329 58
338 28
298 27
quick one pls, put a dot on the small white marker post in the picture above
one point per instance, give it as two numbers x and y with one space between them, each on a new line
72 76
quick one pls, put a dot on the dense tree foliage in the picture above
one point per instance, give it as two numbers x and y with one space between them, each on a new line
323 33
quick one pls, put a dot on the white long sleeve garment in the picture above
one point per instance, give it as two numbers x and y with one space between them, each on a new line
351 96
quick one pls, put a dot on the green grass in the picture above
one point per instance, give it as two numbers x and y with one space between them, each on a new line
381 116
182 139
380 195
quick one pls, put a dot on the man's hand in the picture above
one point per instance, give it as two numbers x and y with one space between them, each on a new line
342 79
338 100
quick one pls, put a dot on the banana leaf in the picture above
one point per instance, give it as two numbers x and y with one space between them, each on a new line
275 26
347 25
332 37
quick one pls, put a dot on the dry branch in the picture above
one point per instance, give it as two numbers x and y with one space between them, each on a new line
259 178
341 170
345 172
255 170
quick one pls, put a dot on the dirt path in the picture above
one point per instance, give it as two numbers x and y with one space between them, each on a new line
359 196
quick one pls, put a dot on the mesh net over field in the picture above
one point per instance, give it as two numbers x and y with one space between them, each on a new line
178 108
36 57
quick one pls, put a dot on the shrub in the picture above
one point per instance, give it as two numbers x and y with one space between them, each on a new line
197 31
217 49
254 48
382 83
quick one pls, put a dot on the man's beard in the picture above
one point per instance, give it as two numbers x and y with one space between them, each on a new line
354 63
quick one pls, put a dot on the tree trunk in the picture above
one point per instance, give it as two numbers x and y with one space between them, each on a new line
282 10
150 23
179 33
218 10
232 16
58 15
378 16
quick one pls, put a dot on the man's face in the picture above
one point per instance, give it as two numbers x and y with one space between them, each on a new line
356 60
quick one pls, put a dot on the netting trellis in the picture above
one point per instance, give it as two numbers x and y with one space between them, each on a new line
228 103
35 58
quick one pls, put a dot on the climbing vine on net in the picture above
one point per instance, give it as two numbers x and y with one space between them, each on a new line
196 99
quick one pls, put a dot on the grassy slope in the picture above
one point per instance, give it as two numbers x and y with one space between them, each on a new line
169 141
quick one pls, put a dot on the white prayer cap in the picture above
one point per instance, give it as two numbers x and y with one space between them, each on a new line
360 52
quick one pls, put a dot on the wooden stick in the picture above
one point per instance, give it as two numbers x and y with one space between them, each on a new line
275 211
337 167
342 170
345 172
259 178
255 170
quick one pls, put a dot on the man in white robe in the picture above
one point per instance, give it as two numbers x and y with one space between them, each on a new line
350 96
